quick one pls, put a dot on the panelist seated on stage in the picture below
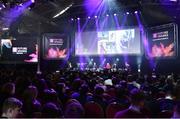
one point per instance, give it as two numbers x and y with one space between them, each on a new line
108 66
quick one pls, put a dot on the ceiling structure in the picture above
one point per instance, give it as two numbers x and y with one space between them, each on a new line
153 11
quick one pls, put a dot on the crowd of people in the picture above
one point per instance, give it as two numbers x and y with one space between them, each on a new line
88 94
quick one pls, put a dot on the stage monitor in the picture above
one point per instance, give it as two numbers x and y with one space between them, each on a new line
19 50
112 42
162 41
55 46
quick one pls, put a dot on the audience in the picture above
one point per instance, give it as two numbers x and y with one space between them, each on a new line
68 92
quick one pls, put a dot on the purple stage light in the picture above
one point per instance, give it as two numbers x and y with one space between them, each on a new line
95 16
14 13
78 18
107 15
21 5
89 17
72 19
92 6
33 1
127 13
3 6
0 8
136 12
115 14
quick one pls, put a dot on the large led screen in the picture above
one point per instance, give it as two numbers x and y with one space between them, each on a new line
20 50
162 41
125 41
55 46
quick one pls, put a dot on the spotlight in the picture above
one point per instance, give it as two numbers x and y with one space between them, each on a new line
5 29
0 8
136 12
78 18
95 16
89 17
72 19
127 13
33 1
21 5
107 15
115 14
117 59
3 6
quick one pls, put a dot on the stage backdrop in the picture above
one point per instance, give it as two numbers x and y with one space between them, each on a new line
163 41
55 46
22 49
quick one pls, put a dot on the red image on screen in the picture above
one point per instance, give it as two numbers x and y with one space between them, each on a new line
56 53
162 50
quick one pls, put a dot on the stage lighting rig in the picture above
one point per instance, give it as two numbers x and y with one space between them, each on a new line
13 3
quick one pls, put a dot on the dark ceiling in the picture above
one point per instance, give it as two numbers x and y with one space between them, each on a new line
153 11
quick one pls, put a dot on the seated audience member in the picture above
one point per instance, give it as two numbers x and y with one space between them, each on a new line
82 96
30 102
121 96
74 109
11 108
98 97
137 103
50 110
61 88
176 113
7 90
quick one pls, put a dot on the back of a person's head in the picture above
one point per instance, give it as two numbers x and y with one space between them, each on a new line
41 84
120 91
130 78
98 90
76 84
8 89
50 110
137 96
31 93
21 85
123 83
60 87
11 104
49 95
83 89
74 110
